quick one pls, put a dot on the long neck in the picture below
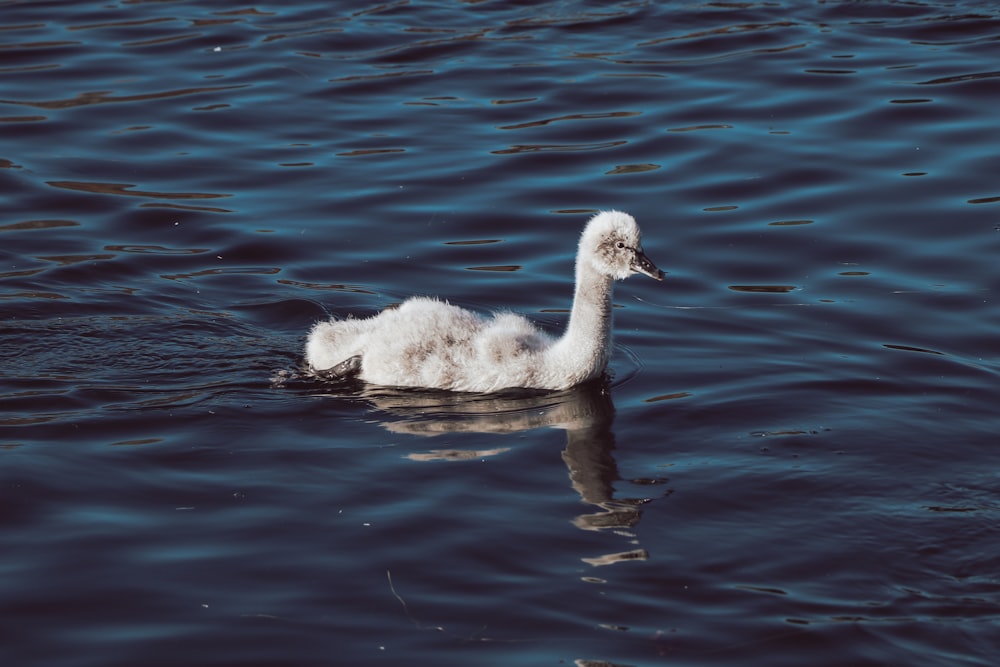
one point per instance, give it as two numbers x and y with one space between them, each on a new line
586 344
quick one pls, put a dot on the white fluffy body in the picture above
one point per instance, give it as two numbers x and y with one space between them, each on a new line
430 343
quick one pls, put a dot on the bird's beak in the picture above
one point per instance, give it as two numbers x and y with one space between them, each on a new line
642 264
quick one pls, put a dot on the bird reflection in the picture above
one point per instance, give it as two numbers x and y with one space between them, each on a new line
585 412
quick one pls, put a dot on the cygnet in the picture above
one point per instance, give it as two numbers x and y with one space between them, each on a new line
429 343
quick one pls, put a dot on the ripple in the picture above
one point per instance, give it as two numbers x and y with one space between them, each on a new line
326 286
770 289
23 119
536 148
909 348
65 260
380 76
667 397
184 207
104 97
261 271
831 71
122 189
633 168
790 223
962 78
698 128
38 224
505 268
573 116
155 250
371 151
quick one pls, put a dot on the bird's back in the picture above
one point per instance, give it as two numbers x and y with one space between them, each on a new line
431 343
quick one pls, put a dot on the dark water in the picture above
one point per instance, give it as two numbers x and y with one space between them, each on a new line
796 460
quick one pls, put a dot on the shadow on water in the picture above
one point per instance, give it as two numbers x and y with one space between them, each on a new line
586 413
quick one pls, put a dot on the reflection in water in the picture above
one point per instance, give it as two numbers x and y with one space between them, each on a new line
585 412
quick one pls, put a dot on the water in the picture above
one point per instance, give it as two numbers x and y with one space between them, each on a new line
794 460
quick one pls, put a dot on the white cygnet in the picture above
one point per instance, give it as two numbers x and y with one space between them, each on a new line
430 343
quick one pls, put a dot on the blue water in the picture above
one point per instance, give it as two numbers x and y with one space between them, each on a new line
795 457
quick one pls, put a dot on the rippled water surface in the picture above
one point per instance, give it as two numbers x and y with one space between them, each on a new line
795 458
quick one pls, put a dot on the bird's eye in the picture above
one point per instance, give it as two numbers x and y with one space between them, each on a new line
620 245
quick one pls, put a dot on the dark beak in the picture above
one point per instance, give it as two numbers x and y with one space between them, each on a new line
641 264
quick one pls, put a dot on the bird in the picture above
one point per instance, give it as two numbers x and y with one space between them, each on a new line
429 343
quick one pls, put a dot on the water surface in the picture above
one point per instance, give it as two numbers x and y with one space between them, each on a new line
794 457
